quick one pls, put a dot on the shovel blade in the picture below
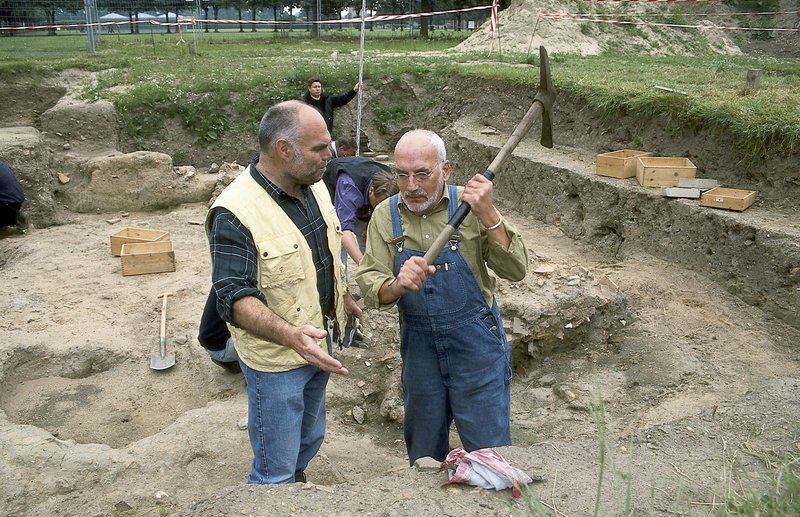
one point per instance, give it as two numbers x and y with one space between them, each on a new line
162 363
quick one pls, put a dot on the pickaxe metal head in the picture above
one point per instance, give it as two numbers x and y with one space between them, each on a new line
540 107
546 95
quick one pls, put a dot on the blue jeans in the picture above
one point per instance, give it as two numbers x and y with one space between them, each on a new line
456 357
285 420
227 354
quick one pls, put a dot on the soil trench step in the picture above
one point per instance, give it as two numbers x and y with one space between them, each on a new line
755 254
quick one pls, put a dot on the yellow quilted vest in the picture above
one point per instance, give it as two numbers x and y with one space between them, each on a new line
286 272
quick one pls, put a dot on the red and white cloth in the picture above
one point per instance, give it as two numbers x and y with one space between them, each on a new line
485 468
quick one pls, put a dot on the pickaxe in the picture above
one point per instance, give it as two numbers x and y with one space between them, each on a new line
540 108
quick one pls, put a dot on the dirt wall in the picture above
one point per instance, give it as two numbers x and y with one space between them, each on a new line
776 177
25 151
754 254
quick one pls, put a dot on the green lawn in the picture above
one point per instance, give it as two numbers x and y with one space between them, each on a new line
213 82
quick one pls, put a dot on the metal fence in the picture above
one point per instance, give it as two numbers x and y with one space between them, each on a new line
99 18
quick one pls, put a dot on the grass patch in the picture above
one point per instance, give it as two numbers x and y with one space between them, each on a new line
781 498
231 77
390 115
612 84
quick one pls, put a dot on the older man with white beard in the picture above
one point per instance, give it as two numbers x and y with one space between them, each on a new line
456 358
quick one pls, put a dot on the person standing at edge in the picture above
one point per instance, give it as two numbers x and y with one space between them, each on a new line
456 358
324 102
275 242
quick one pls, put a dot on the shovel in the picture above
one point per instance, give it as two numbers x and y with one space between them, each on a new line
162 361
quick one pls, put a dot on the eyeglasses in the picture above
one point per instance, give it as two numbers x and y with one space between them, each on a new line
420 177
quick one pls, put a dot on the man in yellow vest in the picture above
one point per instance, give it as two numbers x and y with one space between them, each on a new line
275 242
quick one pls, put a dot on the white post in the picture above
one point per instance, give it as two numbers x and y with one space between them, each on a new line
91 18
360 77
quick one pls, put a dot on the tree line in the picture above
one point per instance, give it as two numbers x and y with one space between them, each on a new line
15 13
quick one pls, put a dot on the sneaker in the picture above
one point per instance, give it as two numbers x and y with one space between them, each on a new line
359 340
231 367
300 477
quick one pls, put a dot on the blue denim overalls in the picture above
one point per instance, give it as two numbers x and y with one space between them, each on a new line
456 358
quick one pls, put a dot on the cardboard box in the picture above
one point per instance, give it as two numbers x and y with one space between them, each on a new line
131 235
728 198
663 171
619 164
140 258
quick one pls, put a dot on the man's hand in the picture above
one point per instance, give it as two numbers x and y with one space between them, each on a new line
352 309
478 193
358 86
410 278
305 341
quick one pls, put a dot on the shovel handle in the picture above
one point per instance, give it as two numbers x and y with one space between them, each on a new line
163 335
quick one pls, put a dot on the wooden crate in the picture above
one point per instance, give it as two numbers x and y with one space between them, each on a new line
728 198
619 164
663 171
131 235
140 258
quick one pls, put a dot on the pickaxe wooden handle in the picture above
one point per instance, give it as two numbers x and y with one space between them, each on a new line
540 108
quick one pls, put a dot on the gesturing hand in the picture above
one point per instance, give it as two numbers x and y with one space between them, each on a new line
306 343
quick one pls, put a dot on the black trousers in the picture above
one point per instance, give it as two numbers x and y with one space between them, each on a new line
8 213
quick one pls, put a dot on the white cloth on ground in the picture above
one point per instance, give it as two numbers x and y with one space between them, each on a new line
485 468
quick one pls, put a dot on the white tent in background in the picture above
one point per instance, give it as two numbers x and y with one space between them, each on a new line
181 18
144 16
113 17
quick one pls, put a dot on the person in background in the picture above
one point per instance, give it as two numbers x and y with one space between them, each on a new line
357 185
215 337
11 199
325 103
343 147
456 357
275 239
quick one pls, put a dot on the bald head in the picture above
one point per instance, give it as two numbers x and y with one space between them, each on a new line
422 169
294 146
284 121
422 139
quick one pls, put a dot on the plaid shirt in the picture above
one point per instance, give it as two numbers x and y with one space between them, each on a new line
233 252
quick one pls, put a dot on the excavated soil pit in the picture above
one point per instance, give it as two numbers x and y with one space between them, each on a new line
693 361
95 394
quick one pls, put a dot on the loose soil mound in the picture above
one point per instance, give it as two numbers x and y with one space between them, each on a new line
526 24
